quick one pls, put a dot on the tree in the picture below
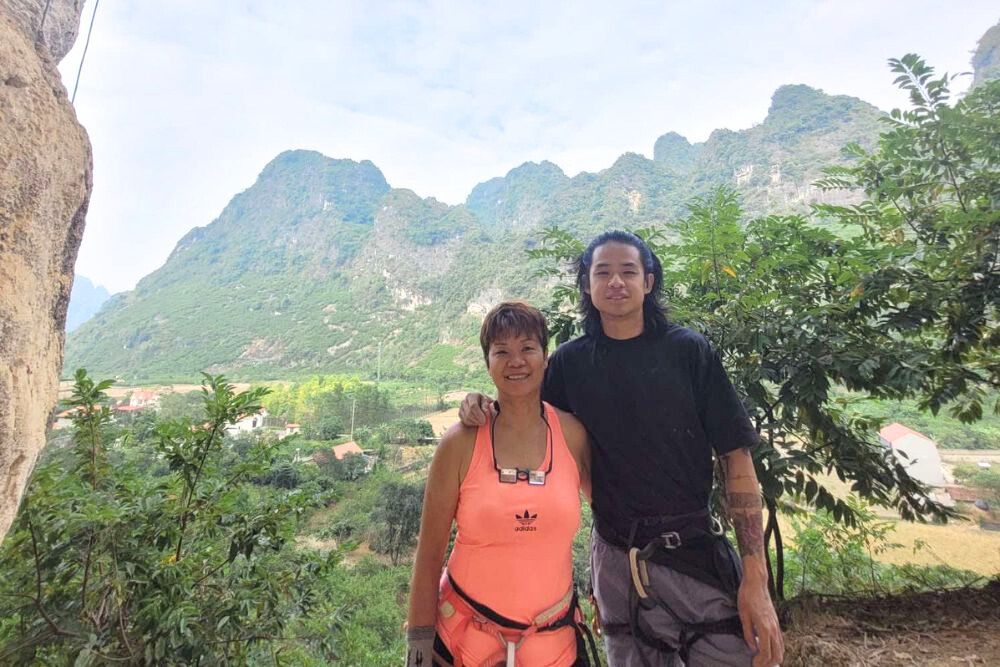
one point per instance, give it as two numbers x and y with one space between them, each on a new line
796 310
397 518
325 427
107 565
931 219
176 405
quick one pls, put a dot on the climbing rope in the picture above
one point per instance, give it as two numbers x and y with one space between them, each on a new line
85 47
41 24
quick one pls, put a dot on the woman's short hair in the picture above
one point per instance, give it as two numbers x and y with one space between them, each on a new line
513 318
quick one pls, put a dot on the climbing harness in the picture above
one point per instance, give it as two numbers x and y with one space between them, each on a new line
663 538
511 634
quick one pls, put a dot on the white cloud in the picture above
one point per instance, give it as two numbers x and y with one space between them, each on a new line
186 101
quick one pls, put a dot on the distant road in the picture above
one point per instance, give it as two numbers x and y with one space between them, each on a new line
119 391
966 455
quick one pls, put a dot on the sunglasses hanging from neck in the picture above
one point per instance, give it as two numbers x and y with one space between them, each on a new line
515 475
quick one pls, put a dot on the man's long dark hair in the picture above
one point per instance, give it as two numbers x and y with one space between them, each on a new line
654 313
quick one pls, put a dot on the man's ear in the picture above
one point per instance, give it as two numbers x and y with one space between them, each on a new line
649 283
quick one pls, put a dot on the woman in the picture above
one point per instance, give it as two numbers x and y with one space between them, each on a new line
513 487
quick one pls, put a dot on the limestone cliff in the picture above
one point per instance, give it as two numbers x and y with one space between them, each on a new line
45 183
986 59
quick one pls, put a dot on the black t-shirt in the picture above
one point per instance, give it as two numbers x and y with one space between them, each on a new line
656 406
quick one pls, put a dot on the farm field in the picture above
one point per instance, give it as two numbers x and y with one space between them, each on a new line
961 544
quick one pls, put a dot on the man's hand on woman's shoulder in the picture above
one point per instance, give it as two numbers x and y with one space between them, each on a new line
474 409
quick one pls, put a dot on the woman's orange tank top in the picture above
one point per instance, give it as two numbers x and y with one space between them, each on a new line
514 547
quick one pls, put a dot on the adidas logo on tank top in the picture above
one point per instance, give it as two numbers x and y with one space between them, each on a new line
525 520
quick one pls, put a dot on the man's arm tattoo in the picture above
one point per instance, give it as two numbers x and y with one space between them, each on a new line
743 501
748 521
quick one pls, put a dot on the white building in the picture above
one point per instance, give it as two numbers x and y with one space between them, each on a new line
248 424
917 453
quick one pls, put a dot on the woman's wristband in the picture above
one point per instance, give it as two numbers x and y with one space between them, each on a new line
420 632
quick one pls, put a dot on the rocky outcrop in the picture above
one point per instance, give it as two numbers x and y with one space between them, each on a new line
986 59
45 183
51 25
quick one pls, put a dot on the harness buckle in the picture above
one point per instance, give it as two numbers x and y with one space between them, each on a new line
671 540
717 528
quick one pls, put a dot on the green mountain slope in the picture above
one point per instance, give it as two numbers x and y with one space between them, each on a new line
320 266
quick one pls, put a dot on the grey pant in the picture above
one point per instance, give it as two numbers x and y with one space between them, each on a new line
692 601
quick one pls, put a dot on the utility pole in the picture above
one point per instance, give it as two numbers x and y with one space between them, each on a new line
378 368
354 403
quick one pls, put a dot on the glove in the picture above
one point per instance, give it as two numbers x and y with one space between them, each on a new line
420 646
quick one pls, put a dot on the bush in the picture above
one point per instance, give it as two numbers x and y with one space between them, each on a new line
831 557
979 478
325 427
405 431
106 564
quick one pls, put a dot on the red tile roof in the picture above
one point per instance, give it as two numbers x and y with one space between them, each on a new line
340 451
895 431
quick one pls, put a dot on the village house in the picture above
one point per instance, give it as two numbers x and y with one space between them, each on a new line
248 424
339 452
64 419
144 398
917 453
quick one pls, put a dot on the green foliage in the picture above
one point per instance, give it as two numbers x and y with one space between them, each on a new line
351 521
397 518
348 469
370 609
831 557
105 564
581 549
406 432
947 431
325 427
931 226
327 406
978 478
178 405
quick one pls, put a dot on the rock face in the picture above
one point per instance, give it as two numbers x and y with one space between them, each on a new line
986 59
45 183
53 27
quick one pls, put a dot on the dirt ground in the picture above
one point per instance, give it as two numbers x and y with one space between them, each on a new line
441 421
960 627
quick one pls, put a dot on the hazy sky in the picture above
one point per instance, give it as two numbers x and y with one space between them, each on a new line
187 100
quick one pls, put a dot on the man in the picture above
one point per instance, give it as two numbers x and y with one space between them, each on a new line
657 403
